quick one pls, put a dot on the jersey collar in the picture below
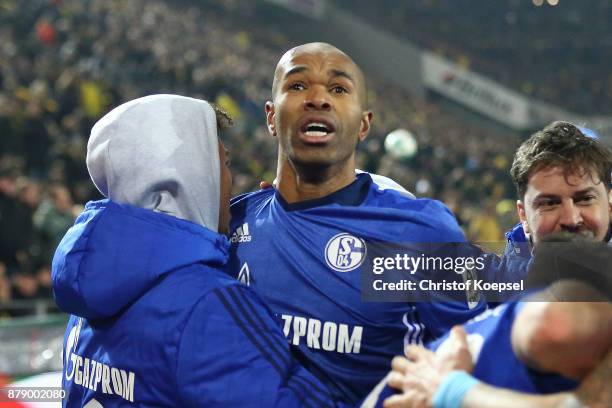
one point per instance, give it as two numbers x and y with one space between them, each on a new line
351 195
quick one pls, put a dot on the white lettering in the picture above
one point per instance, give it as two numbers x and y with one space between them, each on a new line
299 329
287 319
92 375
329 336
98 376
314 331
85 372
106 380
78 375
323 335
415 264
116 377
93 372
352 344
128 385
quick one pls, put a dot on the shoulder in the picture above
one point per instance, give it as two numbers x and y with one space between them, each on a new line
385 192
431 212
240 204
193 282
385 183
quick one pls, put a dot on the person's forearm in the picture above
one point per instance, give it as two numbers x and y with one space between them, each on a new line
485 396
595 390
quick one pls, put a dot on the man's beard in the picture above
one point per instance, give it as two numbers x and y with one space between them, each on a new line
580 231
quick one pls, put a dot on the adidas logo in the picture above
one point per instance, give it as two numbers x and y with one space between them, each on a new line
241 234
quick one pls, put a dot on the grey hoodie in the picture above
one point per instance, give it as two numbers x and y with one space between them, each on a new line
159 152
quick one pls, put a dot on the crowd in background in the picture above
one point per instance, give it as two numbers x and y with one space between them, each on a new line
558 54
64 63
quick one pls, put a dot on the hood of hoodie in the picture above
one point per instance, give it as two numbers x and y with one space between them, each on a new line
161 153
158 153
116 252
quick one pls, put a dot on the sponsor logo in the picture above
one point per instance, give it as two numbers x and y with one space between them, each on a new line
91 374
478 91
318 335
345 252
241 235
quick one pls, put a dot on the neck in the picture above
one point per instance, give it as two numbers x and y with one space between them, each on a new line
298 183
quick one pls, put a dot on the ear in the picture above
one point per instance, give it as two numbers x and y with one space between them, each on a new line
520 209
270 118
366 122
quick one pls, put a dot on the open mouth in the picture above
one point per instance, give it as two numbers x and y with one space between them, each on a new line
316 131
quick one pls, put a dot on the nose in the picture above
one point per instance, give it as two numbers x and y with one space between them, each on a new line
570 217
317 99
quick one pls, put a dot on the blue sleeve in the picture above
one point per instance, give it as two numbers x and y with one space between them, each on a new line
442 316
384 394
233 354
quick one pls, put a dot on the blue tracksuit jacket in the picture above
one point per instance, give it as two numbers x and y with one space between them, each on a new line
156 321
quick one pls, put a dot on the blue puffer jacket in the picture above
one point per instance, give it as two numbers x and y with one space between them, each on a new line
512 266
156 321
515 262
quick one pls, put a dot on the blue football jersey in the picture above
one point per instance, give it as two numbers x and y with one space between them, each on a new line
490 339
305 260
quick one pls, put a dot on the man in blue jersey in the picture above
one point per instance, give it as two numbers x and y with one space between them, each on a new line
302 245
562 178
518 350
542 345
155 320
442 382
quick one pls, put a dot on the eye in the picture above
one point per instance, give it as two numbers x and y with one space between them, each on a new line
586 199
339 89
546 204
296 86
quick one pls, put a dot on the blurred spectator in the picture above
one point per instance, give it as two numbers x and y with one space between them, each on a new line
25 288
16 231
5 287
52 219
484 226
558 54
45 285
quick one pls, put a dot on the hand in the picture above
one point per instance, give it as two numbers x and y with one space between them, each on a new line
264 185
420 375
454 354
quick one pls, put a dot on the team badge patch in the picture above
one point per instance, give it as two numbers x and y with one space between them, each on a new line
345 252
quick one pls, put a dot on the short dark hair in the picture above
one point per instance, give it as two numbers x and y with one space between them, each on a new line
224 120
561 144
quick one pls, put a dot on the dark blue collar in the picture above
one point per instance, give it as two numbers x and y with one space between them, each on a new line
351 195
